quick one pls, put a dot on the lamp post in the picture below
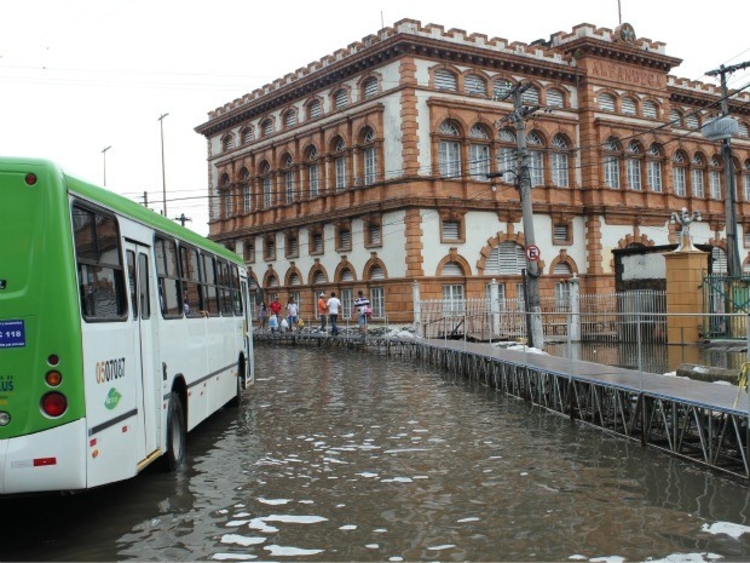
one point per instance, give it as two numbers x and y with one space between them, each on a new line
104 156
163 176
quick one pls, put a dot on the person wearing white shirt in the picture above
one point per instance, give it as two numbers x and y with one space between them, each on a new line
334 304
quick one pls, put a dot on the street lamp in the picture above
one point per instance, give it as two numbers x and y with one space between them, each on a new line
104 155
163 177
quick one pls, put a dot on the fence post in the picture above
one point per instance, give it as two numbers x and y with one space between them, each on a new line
575 308
494 307
417 309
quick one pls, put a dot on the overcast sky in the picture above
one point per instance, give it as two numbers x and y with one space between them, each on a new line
77 76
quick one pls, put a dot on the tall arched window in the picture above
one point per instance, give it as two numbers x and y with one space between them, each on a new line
341 98
290 118
227 143
265 171
634 158
226 187
474 84
612 156
314 109
370 87
313 171
506 154
536 158
714 177
289 187
445 80
369 156
560 162
339 164
479 153
267 127
679 173
746 181
654 157
247 135
245 185
449 150
697 173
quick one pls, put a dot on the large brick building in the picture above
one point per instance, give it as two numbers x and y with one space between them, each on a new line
367 169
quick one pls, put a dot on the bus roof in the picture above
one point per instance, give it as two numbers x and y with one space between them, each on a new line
130 209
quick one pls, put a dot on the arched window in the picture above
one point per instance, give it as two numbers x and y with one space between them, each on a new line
267 127
612 156
714 177
633 162
245 185
679 173
314 109
339 164
746 181
607 102
370 87
265 171
313 171
452 269
560 162
650 110
692 121
479 153
290 118
629 106
227 143
369 156
377 273
507 258
675 118
347 275
697 173
449 151
536 158
289 187
654 160
531 96
476 85
501 88
555 98
506 155
445 80
247 135
341 98
319 278
226 187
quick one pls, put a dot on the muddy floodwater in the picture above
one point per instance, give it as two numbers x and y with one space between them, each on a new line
346 456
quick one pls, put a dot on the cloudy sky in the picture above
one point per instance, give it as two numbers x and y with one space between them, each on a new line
77 76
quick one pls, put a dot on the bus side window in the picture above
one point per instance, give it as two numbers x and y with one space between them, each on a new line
170 293
100 272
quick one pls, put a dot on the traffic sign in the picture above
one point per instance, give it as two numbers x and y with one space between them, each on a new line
533 253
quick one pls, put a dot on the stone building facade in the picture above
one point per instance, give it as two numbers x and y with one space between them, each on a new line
368 168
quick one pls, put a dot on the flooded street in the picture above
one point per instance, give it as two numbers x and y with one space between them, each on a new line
347 456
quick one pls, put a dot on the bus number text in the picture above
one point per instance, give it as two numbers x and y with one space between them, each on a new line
110 370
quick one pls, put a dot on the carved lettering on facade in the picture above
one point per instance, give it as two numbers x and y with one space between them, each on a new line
635 76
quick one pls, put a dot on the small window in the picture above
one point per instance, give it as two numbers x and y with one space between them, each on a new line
227 143
290 119
315 109
451 230
555 98
341 98
628 106
373 235
247 135
370 87
607 102
475 85
267 127
344 240
249 251
316 246
650 110
269 251
445 80
292 246
561 233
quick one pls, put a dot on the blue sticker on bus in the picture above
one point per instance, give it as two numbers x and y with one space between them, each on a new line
12 334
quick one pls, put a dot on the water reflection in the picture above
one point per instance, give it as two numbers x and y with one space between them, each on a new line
340 456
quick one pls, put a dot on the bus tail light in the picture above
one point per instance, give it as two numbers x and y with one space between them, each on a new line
53 378
54 404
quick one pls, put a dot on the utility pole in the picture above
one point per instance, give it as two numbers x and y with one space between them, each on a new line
145 199
104 155
163 175
523 183
729 126
182 219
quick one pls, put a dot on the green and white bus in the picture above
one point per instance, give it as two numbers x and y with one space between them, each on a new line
120 331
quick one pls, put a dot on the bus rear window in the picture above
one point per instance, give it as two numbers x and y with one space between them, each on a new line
100 272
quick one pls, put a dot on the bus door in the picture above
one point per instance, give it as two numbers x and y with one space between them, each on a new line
147 378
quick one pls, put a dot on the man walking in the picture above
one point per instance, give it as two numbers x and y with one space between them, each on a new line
322 311
333 305
362 304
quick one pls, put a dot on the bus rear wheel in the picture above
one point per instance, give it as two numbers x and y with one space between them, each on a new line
176 434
